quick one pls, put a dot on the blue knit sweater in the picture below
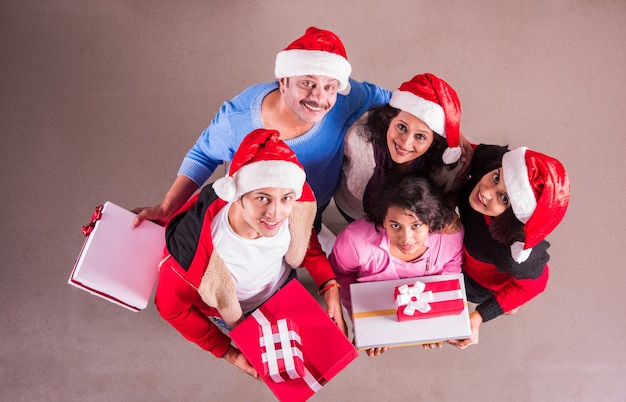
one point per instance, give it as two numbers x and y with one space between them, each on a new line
319 150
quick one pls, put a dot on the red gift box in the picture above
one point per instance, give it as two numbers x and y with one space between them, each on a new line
325 349
281 348
428 300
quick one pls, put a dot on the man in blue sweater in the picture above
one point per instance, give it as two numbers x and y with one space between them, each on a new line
311 105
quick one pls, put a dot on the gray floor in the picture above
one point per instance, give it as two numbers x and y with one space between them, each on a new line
100 100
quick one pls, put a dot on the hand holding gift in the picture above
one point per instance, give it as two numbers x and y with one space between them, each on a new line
293 344
236 358
475 321
372 352
376 325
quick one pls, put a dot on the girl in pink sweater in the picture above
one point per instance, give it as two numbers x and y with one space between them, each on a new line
399 238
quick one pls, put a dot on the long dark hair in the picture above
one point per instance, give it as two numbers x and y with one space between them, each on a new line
506 228
378 120
411 193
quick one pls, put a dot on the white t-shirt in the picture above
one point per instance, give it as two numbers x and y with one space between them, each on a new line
257 266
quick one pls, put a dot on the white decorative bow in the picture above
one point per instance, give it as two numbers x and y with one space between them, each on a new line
414 298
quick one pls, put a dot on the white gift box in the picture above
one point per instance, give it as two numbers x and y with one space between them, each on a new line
118 262
375 321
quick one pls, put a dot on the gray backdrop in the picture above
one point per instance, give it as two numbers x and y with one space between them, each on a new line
100 100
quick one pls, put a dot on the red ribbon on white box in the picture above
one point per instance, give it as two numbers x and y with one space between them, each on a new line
272 357
414 297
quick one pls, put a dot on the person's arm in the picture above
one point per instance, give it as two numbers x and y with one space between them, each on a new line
216 144
509 297
363 96
527 279
475 321
178 194
515 293
452 252
316 263
333 304
344 262
174 300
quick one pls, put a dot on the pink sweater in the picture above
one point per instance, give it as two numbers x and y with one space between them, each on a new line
361 254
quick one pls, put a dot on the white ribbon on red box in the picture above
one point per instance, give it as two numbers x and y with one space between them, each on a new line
271 355
277 347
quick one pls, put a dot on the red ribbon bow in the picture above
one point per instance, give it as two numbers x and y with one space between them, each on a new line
97 214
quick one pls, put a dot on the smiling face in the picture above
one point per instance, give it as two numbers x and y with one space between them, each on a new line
309 97
261 212
408 138
489 196
407 234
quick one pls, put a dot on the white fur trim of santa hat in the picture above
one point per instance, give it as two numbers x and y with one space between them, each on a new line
294 62
261 174
521 195
429 112
517 182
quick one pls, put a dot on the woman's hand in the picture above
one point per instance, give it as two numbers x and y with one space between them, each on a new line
475 321
235 357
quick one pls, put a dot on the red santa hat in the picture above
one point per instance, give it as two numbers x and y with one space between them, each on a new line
433 101
538 189
317 52
262 160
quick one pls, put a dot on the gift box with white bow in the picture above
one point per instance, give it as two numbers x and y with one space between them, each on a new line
293 344
375 315
427 300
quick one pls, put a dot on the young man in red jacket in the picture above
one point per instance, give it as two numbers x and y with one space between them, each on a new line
237 242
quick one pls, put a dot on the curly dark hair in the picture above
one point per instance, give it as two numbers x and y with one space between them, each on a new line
377 124
411 193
